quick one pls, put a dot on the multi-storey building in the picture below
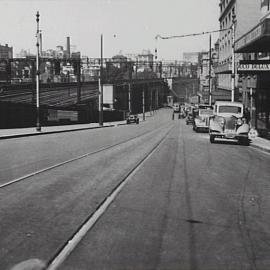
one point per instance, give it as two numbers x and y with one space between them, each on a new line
204 72
6 52
254 69
192 57
145 60
246 14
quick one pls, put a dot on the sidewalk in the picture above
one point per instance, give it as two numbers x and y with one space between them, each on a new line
25 132
31 131
260 143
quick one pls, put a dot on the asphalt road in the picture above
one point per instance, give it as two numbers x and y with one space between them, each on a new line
189 205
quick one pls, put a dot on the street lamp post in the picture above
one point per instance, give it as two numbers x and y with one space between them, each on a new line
143 101
38 126
251 101
101 83
233 58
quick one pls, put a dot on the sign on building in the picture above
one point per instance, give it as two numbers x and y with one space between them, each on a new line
254 66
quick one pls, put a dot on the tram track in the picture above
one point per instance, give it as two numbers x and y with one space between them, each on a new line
46 169
65 250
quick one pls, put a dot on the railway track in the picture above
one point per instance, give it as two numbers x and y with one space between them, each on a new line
24 177
78 232
63 253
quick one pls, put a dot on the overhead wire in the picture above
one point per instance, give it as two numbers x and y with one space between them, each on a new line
191 35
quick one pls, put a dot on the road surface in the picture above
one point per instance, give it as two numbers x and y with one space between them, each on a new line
182 202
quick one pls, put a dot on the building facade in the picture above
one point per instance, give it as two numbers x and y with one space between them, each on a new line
254 69
204 71
192 57
6 52
245 13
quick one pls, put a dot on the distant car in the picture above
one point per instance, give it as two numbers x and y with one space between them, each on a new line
189 119
228 122
201 120
133 118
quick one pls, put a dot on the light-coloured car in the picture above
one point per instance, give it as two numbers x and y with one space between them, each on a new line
228 122
201 120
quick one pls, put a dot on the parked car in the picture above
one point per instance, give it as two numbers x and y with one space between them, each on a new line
228 122
133 118
201 120
189 118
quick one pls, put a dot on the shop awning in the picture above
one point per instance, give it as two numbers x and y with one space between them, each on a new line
256 40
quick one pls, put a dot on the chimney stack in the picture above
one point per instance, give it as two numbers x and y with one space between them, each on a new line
68 47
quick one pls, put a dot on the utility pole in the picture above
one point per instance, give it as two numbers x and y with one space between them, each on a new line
78 63
143 102
129 88
38 126
156 99
101 83
210 69
151 100
233 58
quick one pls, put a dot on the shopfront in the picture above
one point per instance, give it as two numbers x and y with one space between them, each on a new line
254 73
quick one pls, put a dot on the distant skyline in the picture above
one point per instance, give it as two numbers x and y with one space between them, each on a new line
129 26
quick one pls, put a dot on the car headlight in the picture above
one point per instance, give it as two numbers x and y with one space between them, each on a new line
239 122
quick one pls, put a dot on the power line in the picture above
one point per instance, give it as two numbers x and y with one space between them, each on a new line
191 35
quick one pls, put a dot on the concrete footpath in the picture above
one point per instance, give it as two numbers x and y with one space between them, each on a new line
259 143
25 132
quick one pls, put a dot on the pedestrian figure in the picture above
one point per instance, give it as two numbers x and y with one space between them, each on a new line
173 116
247 114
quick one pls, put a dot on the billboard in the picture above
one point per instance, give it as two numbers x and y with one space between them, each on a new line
108 94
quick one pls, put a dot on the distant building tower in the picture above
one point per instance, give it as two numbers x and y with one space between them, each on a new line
68 47
6 52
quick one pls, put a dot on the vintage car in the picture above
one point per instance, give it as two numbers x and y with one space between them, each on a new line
189 118
201 120
132 118
228 122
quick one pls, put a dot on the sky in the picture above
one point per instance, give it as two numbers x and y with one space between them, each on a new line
127 26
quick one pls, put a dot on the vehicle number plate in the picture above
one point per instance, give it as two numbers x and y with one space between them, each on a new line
230 135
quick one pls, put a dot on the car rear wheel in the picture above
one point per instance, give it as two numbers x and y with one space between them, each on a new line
243 141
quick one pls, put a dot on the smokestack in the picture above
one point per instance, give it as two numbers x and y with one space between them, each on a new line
68 47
